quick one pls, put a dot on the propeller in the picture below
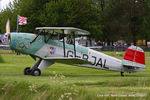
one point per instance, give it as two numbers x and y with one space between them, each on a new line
8 29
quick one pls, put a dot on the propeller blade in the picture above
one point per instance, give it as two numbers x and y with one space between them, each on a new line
7 28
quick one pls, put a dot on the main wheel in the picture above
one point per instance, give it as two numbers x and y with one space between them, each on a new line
27 71
36 72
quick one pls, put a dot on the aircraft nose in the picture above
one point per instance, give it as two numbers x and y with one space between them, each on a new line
11 40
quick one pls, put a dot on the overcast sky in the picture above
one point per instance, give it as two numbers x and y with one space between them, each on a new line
3 3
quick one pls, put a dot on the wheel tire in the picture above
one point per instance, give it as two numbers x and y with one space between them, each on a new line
36 72
27 71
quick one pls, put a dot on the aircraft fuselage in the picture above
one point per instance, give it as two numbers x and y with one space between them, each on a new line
54 49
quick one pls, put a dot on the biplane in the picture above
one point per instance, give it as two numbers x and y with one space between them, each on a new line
50 45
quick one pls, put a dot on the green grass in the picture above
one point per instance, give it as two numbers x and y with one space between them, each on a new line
66 82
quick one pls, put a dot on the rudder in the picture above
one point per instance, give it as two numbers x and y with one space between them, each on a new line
134 56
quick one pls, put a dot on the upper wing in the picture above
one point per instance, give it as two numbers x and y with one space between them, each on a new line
65 30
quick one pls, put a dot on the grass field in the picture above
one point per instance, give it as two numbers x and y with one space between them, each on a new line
65 82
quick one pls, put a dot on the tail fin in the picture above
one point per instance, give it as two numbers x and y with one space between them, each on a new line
134 57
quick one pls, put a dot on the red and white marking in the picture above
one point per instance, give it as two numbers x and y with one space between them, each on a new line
134 56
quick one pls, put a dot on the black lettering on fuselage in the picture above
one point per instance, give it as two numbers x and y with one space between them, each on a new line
77 56
70 54
85 57
99 62
105 64
94 60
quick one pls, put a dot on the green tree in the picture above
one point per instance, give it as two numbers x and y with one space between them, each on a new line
9 13
69 13
74 13
146 29
123 20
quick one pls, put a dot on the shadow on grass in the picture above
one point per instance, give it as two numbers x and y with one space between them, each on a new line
109 75
1 60
69 75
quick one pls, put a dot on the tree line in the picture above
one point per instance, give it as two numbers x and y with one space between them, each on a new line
106 20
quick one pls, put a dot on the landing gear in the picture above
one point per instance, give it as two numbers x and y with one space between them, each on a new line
33 72
122 74
36 69
27 71
36 72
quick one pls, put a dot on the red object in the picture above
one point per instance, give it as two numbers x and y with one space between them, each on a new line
22 20
129 55
135 56
27 46
140 57
89 53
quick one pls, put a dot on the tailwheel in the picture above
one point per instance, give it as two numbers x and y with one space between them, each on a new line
36 72
27 71
122 74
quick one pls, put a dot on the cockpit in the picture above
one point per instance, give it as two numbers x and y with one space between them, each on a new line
66 35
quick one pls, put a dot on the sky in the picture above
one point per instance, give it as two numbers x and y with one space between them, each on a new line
4 3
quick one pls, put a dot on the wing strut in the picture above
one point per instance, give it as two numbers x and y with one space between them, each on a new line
64 43
35 38
74 45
